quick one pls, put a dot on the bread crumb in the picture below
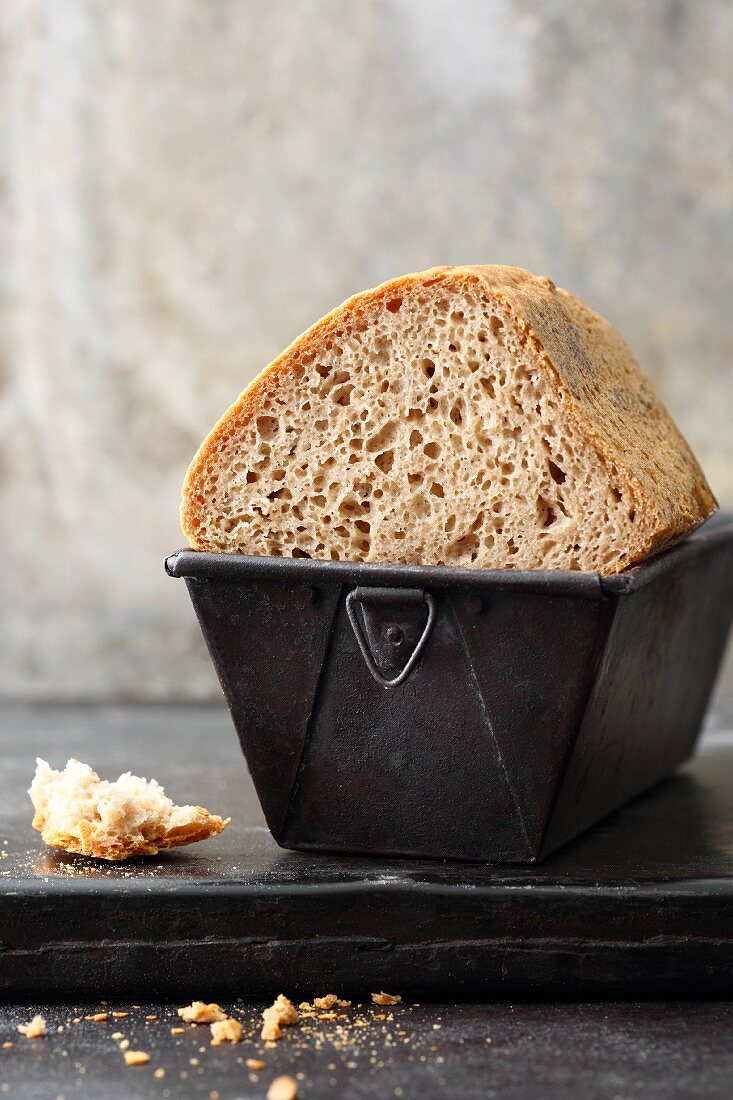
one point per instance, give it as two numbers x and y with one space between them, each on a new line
77 811
7 1046
36 1029
304 1006
178 1030
120 1015
326 1015
325 1002
136 1057
98 1017
124 1045
283 1088
159 1072
281 1013
255 1063
151 1017
386 999
198 1012
117 1035
225 1031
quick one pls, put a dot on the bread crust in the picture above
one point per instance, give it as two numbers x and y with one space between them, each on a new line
603 393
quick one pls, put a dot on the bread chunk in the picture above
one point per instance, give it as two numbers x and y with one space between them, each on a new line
79 812
466 416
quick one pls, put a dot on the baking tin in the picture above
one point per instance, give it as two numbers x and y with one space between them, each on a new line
459 713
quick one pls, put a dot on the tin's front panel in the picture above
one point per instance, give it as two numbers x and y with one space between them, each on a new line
403 721
411 768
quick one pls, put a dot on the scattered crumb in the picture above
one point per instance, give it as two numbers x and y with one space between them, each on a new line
117 1035
177 1030
7 1046
136 1057
225 1031
159 1073
151 1017
386 998
200 1013
98 1017
120 1015
255 1063
325 1002
124 1045
194 1062
304 1006
326 1015
283 1088
282 1013
36 1029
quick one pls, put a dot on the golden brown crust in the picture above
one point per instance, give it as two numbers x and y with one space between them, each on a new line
90 841
597 381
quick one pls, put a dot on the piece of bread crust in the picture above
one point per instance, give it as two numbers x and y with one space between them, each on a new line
587 472
78 812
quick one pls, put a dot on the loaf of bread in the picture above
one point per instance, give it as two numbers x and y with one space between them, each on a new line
465 416
79 812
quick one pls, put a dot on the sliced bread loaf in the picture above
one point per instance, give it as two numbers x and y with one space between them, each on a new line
468 416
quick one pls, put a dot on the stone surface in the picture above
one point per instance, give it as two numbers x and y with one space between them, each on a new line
186 185
668 1050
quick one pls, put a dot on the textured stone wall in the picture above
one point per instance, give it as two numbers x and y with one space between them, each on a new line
187 184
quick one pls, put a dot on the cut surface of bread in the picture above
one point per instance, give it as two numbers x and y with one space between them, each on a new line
466 416
79 812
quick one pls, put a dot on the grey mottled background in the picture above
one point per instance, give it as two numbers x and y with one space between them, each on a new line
187 184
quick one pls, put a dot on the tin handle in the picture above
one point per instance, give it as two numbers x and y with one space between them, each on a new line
376 605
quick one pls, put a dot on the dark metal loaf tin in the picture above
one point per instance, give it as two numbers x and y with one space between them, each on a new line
458 713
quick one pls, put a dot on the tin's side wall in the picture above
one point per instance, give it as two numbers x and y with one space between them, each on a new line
652 689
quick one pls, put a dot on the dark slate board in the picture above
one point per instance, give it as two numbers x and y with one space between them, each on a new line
642 903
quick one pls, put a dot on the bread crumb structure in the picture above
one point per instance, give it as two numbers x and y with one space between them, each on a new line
467 416
198 1012
36 1029
225 1031
282 1013
79 812
283 1088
